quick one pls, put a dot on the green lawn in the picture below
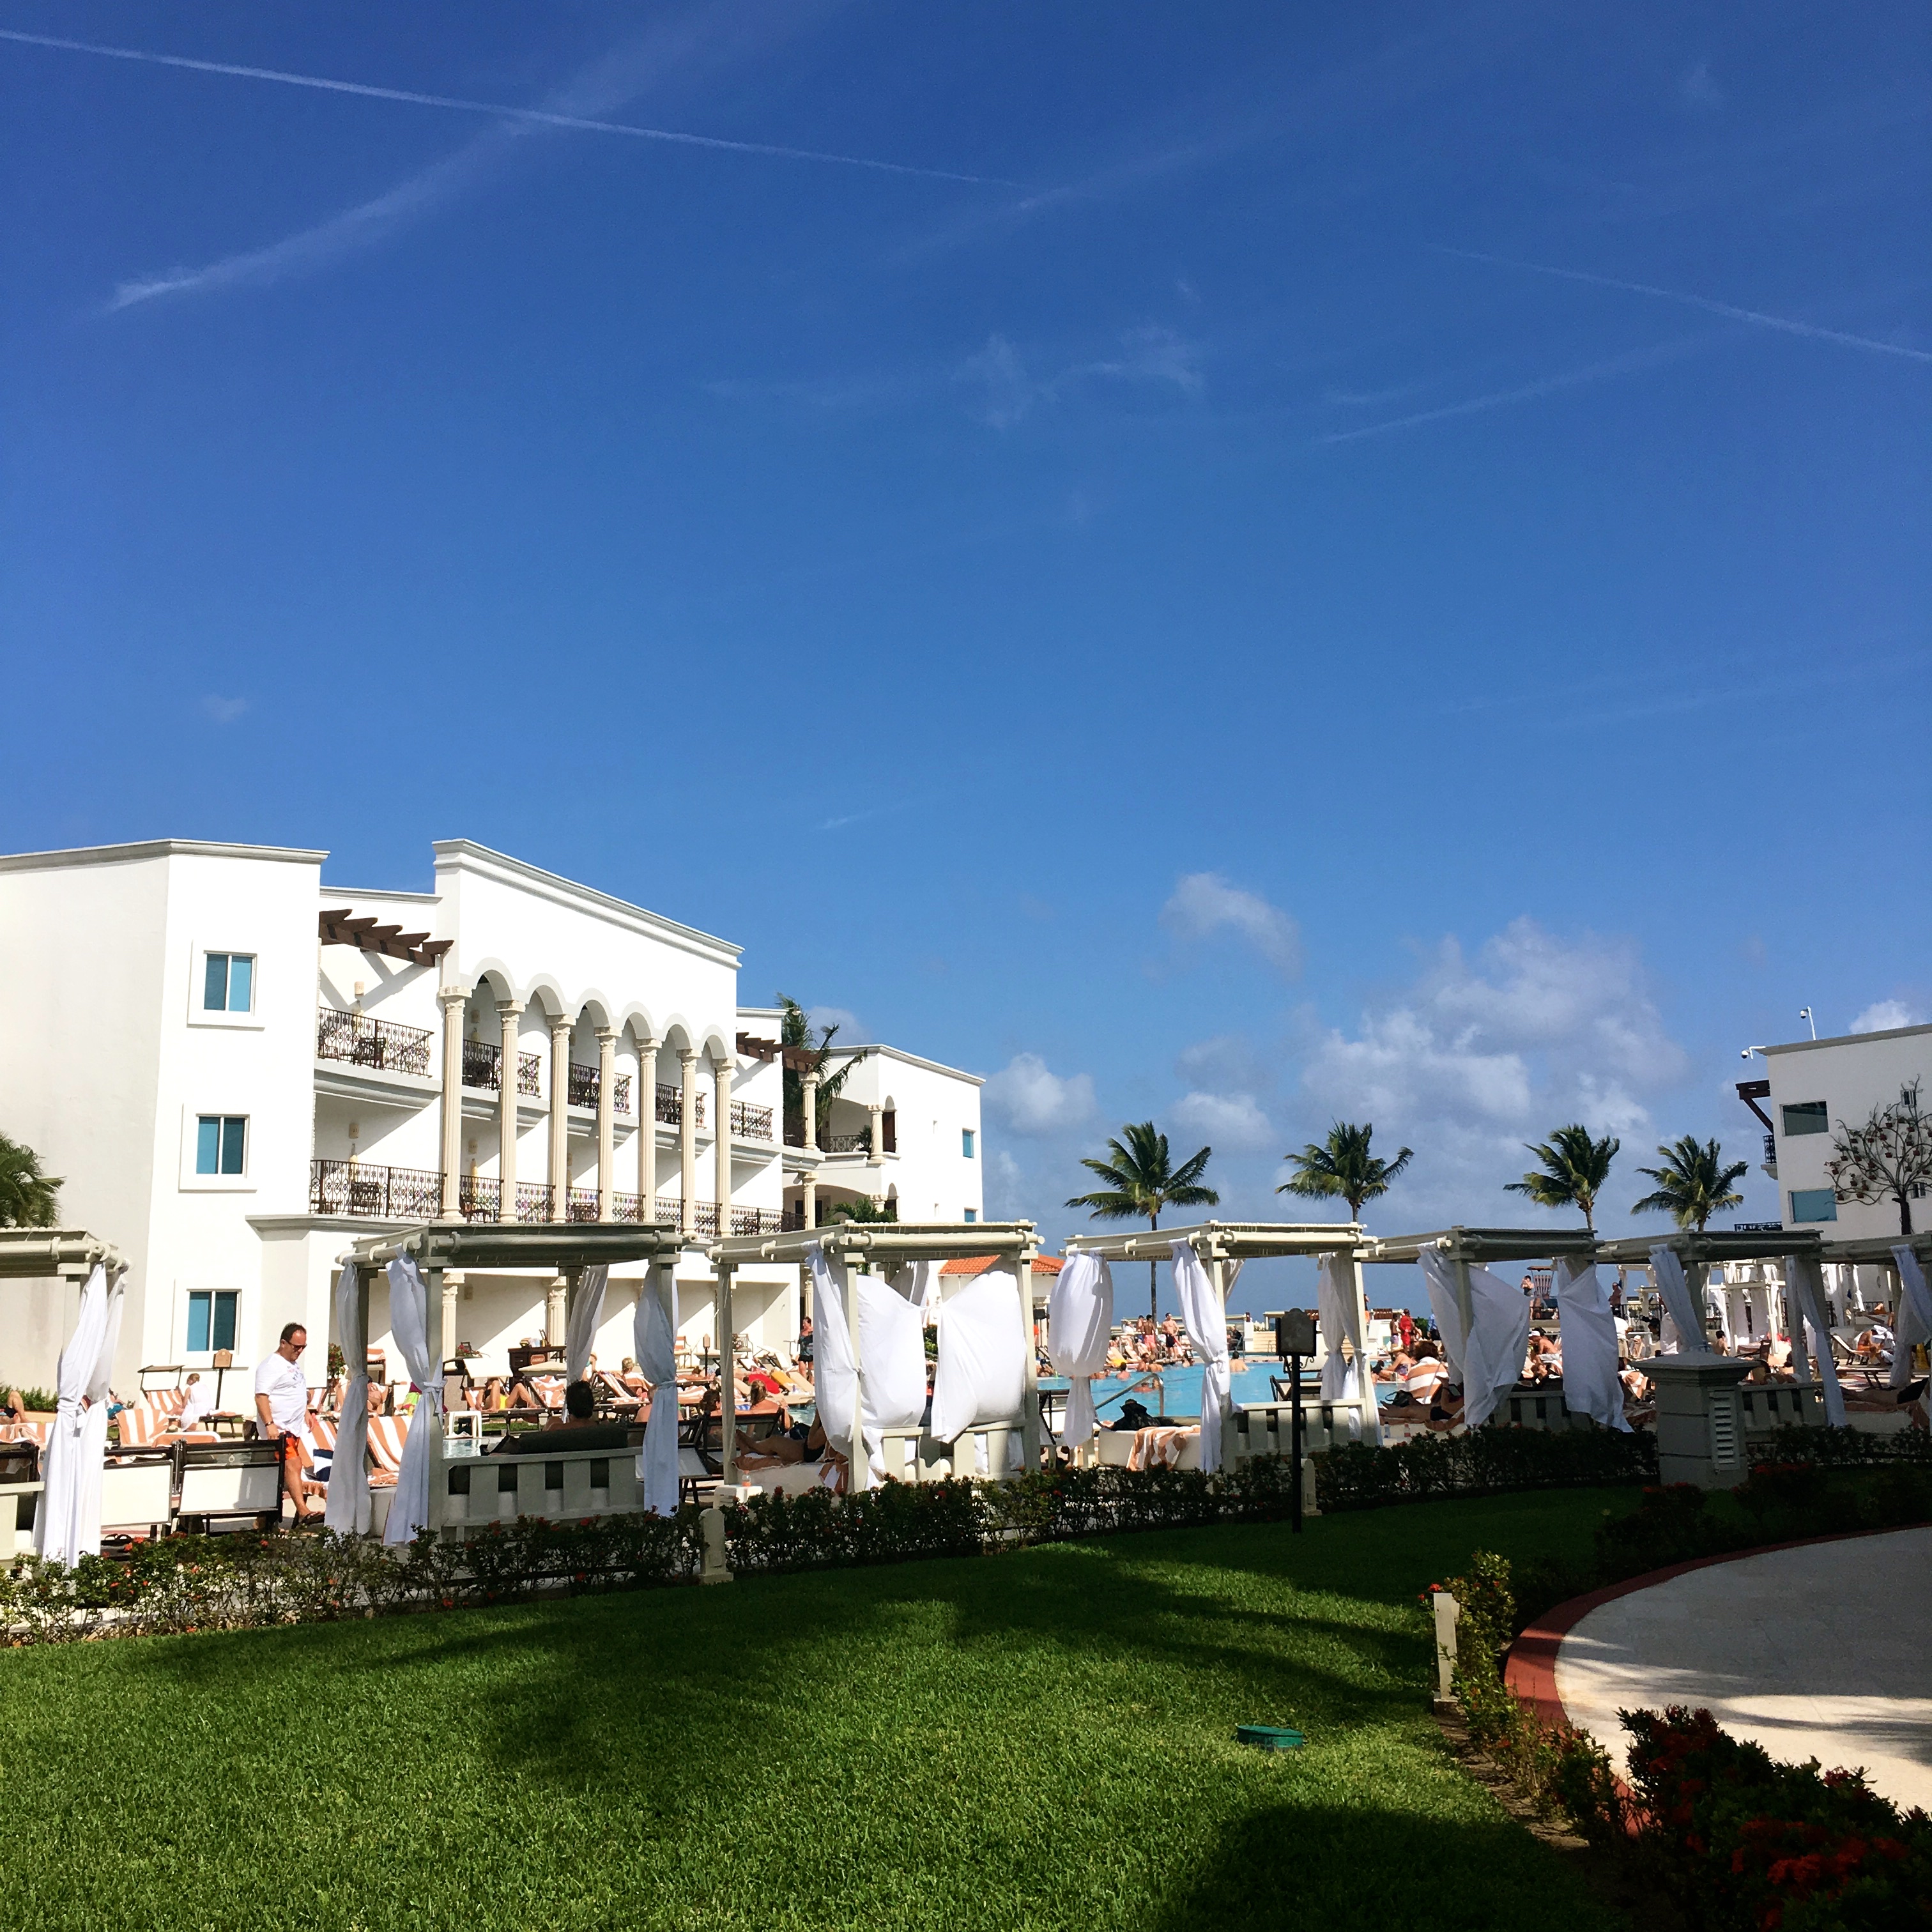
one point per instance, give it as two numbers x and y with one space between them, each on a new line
1042 1739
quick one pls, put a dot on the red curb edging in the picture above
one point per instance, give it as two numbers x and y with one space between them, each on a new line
1529 1671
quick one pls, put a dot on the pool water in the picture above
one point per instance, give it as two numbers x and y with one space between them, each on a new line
1178 1392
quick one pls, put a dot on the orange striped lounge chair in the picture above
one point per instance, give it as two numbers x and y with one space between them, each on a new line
387 1435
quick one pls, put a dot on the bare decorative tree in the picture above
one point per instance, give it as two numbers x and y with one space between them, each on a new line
1888 1158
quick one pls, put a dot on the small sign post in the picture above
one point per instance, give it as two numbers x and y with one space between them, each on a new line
1294 1337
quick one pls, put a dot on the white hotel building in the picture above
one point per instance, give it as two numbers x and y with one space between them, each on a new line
234 1070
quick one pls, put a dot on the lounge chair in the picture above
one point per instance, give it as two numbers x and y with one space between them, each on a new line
387 1435
141 1426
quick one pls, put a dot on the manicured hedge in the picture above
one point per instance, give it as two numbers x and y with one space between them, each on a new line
1357 1475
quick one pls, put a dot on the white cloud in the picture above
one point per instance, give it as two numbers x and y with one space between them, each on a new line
1227 1063
1476 1058
1153 354
1695 88
1011 392
1204 903
1230 1120
1029 1099
1006 1188
224 710
848 1023
1884 1014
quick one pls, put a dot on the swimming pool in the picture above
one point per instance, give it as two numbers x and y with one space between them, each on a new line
1177 1391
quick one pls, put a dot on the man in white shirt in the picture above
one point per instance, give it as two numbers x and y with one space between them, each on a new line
281 1409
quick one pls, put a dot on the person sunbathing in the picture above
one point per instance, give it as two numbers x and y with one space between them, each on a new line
783 1448
575 1426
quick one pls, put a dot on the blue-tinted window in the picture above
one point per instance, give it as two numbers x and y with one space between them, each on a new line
966 1142
1805 1116
211 1320
972 1214
229 985
1813 1204
221 1143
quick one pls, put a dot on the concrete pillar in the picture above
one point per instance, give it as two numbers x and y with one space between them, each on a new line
720 1139
647 1129
876 1153
811 1200
1029 1390
452 1293
687 1139
727 1378
452 999
556 1312
812 1110
559 1118
508 1012
607 1099
1700 1427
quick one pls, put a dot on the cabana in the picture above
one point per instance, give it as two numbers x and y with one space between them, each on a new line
1704 1410
1483 1321
1907 1259
68 1514
1206 1260
893 1389
452 1494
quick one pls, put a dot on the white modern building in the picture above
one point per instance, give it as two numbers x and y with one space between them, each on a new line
236 1070
1814 1088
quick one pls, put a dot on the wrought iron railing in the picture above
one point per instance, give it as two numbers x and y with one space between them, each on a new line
580 1204
670 1107
704 1219
750 1123
533 1200
370 1191
757 1221
363 1042
483 1065
791 1220
845 1143
620 1094
478 1197
586 1080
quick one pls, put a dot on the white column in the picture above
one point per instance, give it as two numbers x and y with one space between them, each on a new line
876 1153
647 1129
720 1139
556 1312
1030 1393
810 1203
509 1012
812 1110
452 1291
452 999
559 1118
607 1099
687 1139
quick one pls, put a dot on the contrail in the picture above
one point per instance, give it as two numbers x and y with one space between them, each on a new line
1705 302
536 115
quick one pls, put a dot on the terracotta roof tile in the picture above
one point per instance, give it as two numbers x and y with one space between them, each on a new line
980 1263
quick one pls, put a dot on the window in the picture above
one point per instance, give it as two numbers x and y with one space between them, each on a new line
1813 1204
966 1142
221 1143
1806 1116
211 1320
230 985
972 1214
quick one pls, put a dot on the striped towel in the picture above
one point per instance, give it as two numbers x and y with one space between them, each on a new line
1159 1448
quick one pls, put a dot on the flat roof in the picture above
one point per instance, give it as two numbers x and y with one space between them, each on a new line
154 848
1845 1040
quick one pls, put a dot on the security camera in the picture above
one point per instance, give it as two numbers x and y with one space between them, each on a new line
1744 1053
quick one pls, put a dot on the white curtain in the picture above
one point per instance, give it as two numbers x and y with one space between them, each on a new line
1079 1320
67 1526
1912 1319
347 1510
409 1322
917 1282
1206 1321
1680 1309
1338 1303
586 1311
981 1373
654 1340
1805 1288
1588 1332
888 1377
1491 1354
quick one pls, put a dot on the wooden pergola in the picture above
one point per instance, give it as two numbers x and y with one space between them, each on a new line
1712 1248
894 1244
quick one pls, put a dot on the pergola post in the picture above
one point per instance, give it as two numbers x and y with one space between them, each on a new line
1370 1429
1465 1313
1029 1392
728 1377
862 1466
1217 1274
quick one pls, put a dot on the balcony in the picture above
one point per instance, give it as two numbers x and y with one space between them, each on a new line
380 1044
585 1081
580 1204
368 1191
670 1107
751 1123
630 1208
845 1143
761 1221
478 1197
483 1066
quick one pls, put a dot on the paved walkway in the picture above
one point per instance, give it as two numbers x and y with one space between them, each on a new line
1824 1651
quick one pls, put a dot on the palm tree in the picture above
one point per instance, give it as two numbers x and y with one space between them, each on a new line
1574 1169
28 1198
1141 1180
1693 1184
796 1031
1343 1165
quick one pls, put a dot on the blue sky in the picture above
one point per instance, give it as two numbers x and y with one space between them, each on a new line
1371 565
